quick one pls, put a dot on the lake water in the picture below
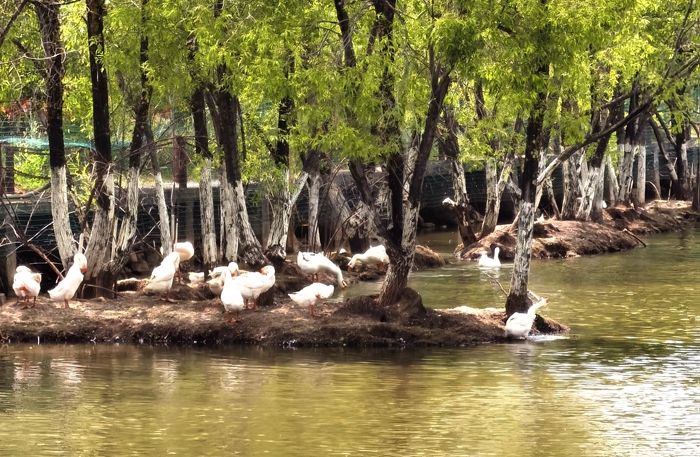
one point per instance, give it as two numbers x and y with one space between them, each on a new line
625 382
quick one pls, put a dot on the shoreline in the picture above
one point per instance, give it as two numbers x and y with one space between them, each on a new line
197 319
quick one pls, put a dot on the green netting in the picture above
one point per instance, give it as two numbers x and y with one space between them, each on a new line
39 144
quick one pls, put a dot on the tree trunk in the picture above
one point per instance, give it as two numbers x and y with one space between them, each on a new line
572 185
448 145
127 232
676 188
206 193
682 167
518 300
249 249
282 205
537 138
313 236
166 240
495 186
656 175
99 247
611 187
639 197
48 15
229 228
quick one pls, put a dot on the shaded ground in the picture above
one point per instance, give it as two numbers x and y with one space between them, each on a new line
357 322
620 230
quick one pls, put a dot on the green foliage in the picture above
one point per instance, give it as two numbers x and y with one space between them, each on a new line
581 54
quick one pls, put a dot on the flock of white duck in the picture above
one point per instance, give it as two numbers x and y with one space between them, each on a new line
239 290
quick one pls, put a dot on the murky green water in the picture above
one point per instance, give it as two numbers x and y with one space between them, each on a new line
626 383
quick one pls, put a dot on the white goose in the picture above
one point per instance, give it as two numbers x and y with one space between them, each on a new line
312 263
310 295
186 252
519 325
375 254
26 283
195 277
161 279
487 262
65 290
216 283
231 296
253 284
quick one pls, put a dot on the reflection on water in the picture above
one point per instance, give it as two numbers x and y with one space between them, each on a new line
625 382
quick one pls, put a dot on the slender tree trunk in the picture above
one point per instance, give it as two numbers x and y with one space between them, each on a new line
676 188
611 187
448 144
572 185
99 247
206 193
127 233
495 186
281 215
312 166
48 14
656 175
229 227
537 138
166 240
639 197
682 167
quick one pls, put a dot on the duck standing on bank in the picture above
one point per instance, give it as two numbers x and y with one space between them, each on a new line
216 283
185 250
26 283
65 290
310 295
161 280
519 325
312 264
374 255
231 297
253 284
487 262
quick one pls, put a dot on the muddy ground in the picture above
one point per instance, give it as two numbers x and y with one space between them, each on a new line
135 318
621 229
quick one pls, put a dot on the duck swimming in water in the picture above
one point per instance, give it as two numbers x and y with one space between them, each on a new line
488 262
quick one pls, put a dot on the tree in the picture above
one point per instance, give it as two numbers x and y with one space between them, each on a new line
47 12
99 245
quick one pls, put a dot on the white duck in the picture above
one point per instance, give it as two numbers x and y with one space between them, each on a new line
195 278
375 254
216 283
65 289
231 296
161 279
26 283
312 263
252 284
310 295
519 325
186 252
487 262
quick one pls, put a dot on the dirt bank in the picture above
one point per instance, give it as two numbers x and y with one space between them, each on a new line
621 229
141 319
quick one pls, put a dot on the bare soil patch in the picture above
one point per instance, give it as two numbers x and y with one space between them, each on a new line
621 229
